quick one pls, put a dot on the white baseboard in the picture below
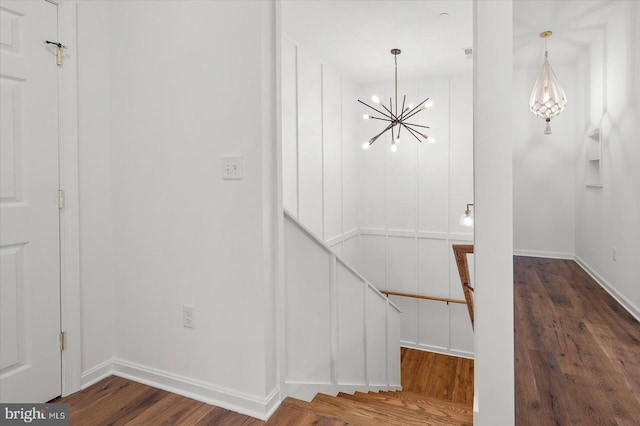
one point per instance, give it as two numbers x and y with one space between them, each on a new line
260 408
97 373
437 349
619 297
545 254
476 416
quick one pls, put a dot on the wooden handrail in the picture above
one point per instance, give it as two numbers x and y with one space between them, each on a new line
418 296
460 252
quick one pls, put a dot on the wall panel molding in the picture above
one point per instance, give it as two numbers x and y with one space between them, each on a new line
410 204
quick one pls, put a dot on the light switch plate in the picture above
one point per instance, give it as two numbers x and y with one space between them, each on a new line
232 167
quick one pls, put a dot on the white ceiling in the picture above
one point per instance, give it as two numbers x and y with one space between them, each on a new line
355 36
575 25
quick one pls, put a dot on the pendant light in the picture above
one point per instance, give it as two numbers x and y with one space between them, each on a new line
397 117
547 98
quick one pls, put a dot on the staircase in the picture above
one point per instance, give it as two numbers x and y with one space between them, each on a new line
373 409
340 333
342 350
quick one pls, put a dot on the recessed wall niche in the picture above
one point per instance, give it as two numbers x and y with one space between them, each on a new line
594 158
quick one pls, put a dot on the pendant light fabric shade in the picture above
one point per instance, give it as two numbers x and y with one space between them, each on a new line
547 98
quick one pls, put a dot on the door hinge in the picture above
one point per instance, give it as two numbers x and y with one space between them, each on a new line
62 340
60 198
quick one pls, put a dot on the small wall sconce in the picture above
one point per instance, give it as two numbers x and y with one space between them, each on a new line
467 218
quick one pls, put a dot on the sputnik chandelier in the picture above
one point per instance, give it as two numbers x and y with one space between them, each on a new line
397 117
547 97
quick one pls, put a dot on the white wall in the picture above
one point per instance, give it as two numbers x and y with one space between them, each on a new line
411 202
544 168
163 95
607 217
494 398
96 224
319 148
555 213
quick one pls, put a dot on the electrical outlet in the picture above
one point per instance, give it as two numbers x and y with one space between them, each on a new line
188 319
614 254
232 167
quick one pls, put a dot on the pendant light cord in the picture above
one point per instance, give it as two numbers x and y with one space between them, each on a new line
546 51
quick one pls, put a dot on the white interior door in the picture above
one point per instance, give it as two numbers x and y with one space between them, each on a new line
30 368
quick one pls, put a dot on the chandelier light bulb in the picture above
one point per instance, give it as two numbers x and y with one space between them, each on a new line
366 145
428 138
428 104
366 116
375 99
410 106
394 147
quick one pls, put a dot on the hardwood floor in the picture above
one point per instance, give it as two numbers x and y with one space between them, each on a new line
447 378
577 362
433 384
577 352
118 401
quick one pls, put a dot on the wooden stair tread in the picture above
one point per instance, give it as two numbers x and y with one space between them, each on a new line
412 396
411 401
414 402
290 416
369 413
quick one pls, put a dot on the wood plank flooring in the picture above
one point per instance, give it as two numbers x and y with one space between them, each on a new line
443 380
577 351
444 377
577 362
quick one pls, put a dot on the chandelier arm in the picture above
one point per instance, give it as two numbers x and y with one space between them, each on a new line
411 131
381 133
378 118
402 110
417 125
415 110
376 109
387 109
391 109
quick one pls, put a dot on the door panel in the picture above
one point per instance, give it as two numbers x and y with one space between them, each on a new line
30 368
